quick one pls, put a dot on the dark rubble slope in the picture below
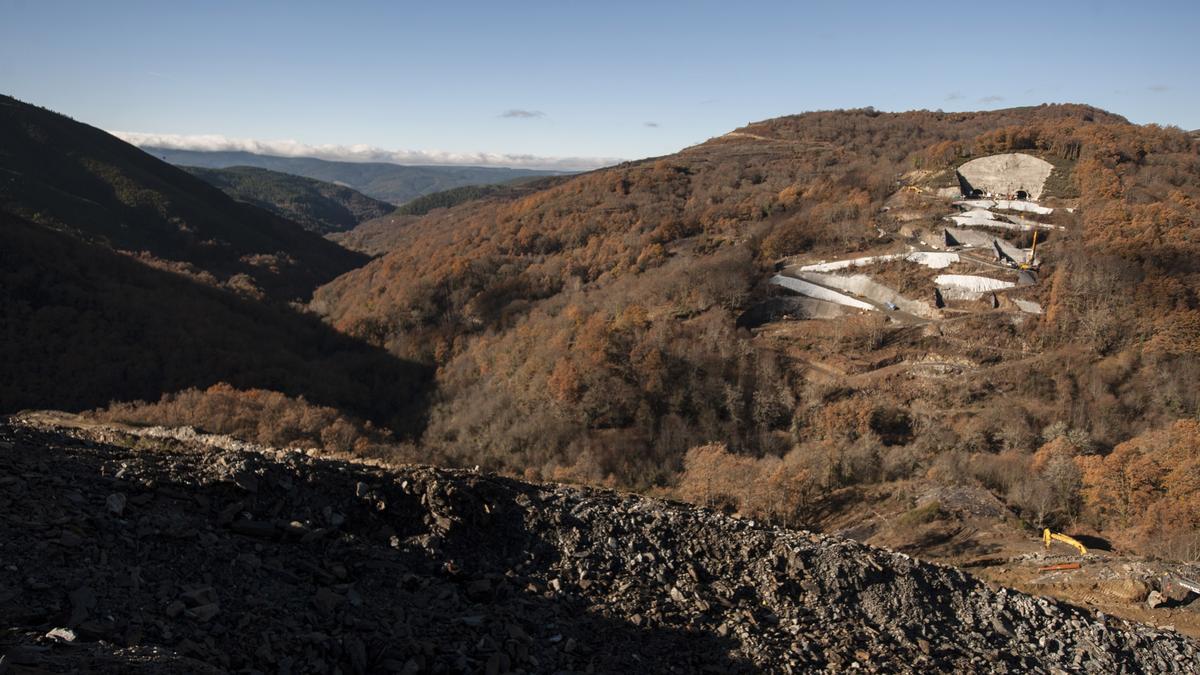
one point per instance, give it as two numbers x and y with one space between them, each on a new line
166 555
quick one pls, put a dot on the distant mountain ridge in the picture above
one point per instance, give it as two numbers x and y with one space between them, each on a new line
318 206
394 183
123 277
76 179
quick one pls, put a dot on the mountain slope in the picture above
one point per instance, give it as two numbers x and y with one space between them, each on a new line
316 205
604 307
591 330
393 183
345 566
74 178
81 326
379 235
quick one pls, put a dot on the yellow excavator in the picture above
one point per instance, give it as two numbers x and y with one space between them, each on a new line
1031 262
1048 536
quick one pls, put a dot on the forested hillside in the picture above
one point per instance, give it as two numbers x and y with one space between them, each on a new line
76 179
316 205
124 278
618 326
379 235
590 331
81 326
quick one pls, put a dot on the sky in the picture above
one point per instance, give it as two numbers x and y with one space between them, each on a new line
571 84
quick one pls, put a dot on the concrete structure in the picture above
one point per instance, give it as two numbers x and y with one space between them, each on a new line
1004 251
952 236
1007 253
968 287
1005 205
1005 174
863 286
1021 224
812 290
932 260
1027 207
975 203
981 214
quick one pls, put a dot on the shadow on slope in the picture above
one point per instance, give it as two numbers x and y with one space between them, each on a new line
81 326
360 595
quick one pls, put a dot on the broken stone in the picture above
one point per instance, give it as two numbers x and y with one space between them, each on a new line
327 601
62 634
254 528
204 613
1154 599
202 595
246 480
83 601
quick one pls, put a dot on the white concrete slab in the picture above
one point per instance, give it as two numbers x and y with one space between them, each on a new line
812 290
1027 207
866 287
932 260
968 287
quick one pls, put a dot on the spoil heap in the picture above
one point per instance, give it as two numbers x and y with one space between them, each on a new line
124 551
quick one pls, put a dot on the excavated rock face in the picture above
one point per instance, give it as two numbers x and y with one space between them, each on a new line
1008 173
126 553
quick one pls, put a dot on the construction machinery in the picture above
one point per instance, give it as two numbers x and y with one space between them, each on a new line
1031 262
1048 536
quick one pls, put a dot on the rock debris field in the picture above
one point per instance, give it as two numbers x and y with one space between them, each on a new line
126 551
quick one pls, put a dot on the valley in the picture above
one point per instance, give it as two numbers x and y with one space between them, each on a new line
935 333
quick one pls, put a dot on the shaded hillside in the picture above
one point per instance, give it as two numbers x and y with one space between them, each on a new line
316 205
589 330
344 567
81 326
376 236
393 183
76 179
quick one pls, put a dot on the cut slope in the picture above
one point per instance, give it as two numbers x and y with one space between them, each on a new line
1007 174
316 205
227 557
71 177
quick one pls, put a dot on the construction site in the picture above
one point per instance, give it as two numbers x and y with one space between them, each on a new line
952 264
925 326
981 255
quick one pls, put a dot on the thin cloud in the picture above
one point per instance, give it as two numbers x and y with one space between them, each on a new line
991 99
1159 88
955 96
358 153
518 113
652 125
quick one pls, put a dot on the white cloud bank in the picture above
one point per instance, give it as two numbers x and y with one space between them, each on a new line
357 153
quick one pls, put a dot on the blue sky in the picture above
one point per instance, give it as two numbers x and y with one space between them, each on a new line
586 80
